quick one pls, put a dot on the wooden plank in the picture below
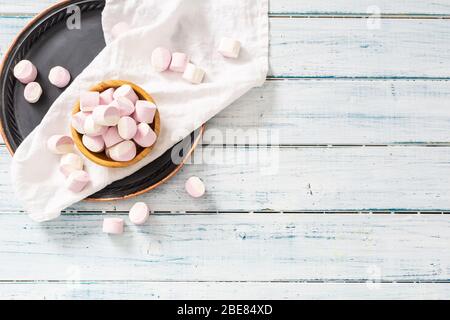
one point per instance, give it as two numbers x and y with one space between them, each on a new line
222 291
342 47
237 247
294 179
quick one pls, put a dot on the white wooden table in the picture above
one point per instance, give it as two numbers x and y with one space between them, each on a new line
358 208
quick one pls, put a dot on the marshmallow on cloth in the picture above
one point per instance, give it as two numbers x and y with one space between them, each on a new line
193 27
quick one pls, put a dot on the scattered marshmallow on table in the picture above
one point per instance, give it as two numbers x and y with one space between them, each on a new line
33 92
59 77
25 72
89 101
193 74
127 128
69 163
119 29
107 96
126 91
145 111
60 144
113 226
230 48
161 58
123 152
112 137
139 214
77 181
78 121
94 144
195 187
106 115
91 128
145 136
179 62
125 106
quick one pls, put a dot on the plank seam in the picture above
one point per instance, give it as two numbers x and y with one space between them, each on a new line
306 281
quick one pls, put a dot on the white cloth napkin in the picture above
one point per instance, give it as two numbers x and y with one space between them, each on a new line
191 26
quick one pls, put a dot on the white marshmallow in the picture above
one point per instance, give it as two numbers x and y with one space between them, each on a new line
193 74
229 48
127 92
145 111
123 152
126 107
78 121
145 136
89 101
139 213
59 77
195 187
106 116
60 144
77 181
25 72
107 96
113 226
33 92
161 58
69 163
112 137
94 144
127 128
93 129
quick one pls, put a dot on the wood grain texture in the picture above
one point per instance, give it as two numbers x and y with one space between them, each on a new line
240 247
293 179
222 291
342 47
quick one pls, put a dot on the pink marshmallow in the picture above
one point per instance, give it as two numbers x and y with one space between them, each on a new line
25 72
229 48
94 144
145 136
126 107
93 129
123 152
69 163
120 29
59 77
145 111
33 92
106 97
127 128
161 58
127 92
179 62
77 181
60 144
106 116
195 187
112 137
89 101
78 121
113 226
139 214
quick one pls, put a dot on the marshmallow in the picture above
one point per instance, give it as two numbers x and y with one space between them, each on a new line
145 111
161 58
229 48
113 226
33 92
25 72
179 62
106 116
119 29
77 181
60 144
106 97
93 129
193 74
69 163
59 77
78 121
89 101
145 136
195 187
139 213
127 128
127 92
112 137
94 144
126 107
123 152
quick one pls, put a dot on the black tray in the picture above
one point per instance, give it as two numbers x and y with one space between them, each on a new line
47 42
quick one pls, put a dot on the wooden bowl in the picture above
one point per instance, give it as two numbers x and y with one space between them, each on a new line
101 158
